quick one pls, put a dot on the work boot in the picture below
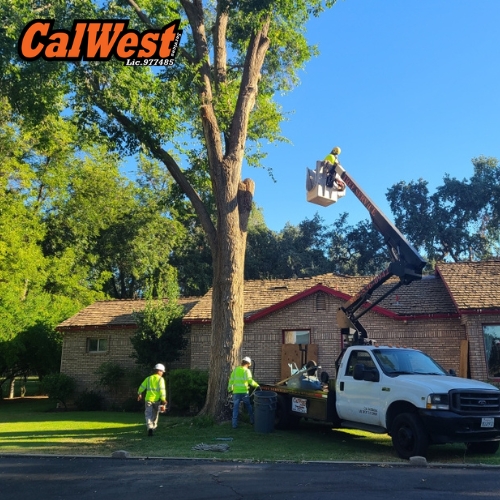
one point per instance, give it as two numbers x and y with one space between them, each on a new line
150 432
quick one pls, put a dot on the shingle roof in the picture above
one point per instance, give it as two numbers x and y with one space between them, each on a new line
113 314
472 285
456 287
428 296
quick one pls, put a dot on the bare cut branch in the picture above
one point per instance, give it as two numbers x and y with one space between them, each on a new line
246 190
254 60
220 50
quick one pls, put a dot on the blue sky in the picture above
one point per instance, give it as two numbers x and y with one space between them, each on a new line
408 89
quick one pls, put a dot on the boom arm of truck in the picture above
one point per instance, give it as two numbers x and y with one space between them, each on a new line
406 263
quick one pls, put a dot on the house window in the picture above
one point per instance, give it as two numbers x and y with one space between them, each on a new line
97 345
491 335
296 337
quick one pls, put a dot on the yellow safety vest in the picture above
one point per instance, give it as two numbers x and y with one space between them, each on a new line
331 158
154 385
240 379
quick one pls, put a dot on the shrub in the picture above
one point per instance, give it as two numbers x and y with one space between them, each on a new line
188 388
110 375
59 387
89 401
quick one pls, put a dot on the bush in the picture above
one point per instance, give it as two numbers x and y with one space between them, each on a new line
89 401
188 388
59 387
110 375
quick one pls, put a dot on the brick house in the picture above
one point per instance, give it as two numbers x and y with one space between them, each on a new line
101 333
454 315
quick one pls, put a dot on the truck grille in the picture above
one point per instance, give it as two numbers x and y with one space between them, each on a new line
475 402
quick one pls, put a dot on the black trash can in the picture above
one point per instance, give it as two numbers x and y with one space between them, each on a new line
264 411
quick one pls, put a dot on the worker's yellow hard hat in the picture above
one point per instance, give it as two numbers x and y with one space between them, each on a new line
336 150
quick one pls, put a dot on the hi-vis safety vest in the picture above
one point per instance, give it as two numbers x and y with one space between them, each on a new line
240 379
154 385
330 158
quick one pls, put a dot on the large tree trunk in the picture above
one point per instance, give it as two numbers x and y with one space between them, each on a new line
227 296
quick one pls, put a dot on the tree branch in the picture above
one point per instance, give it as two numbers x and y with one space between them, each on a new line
194 12
220 52
159 153
256 53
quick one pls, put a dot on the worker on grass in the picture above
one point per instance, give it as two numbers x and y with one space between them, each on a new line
239 382
333 179
155 399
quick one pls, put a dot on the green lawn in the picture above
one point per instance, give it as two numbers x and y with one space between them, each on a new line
30 425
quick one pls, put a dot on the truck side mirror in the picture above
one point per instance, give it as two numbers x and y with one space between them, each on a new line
452 372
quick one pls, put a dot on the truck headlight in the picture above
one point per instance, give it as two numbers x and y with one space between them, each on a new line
438 402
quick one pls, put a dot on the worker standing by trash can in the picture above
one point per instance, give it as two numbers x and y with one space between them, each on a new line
239 382
156 397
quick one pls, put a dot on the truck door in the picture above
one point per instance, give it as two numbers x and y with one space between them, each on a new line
358 400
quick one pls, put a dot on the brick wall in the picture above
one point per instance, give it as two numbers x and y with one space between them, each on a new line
82 365
262 339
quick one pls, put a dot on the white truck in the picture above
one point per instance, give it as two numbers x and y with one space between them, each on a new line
399 391
383 389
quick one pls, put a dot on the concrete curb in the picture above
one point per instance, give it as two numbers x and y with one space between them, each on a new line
126 456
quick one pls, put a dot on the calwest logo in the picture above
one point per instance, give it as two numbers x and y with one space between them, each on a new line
92 40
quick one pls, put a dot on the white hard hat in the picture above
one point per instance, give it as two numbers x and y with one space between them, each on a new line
159 366
246 359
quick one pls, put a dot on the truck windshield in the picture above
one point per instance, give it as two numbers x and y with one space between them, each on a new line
406 361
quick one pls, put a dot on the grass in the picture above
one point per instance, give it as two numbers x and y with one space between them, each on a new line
31 426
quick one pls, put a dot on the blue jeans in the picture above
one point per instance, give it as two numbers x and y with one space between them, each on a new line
237 399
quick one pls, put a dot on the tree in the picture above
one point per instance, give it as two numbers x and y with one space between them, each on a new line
195 117
460 221
161 335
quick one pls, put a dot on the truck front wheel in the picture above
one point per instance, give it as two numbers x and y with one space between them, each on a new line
408 436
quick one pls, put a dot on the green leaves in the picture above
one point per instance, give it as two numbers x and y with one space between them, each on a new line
459 221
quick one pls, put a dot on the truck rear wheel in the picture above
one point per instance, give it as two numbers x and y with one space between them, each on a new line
408 436
282 418
488 447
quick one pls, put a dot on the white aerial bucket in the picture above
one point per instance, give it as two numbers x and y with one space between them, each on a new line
317 192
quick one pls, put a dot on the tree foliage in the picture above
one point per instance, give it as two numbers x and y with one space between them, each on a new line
161 335
460 221
199 118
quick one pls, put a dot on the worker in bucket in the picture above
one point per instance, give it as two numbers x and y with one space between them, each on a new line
239 382
155 399
333 179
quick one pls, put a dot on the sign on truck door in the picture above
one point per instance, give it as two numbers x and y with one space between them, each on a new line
359 400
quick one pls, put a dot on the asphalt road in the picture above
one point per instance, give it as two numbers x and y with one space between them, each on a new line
48 478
